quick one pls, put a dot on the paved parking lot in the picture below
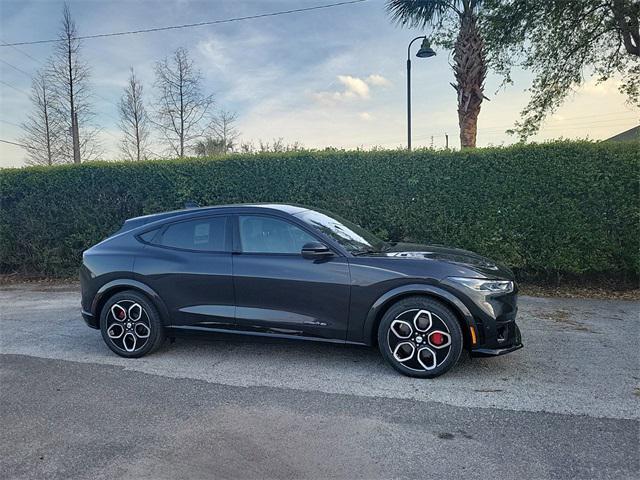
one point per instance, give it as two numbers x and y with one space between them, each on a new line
566 406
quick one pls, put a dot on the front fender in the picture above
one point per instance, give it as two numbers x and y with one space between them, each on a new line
382 303
120 284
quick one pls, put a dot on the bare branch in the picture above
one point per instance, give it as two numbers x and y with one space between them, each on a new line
222 138
69 77
42 131
182 110
134 121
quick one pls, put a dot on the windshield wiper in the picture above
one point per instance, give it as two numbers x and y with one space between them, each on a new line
367 251
388 246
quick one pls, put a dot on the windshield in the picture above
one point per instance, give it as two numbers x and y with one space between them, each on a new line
351 236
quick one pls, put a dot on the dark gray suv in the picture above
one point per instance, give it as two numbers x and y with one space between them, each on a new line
295 272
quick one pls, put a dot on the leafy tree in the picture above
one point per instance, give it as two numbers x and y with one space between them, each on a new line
210 146
457 22
563 42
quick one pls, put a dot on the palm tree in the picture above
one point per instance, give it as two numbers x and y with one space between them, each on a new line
469 62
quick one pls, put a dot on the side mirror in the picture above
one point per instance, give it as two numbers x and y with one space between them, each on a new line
316 250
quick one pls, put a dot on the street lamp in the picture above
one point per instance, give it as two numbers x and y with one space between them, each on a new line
425 52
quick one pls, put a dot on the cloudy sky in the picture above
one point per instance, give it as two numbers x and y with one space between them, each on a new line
333 77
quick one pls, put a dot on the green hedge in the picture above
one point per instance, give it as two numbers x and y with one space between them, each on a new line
564 207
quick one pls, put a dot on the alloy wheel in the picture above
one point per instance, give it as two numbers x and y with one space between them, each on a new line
419 340
128 326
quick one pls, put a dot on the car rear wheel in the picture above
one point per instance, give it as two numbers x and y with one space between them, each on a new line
420 337
130 325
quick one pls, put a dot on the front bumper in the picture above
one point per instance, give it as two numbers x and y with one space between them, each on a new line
90 319
494 318
511 344
494 352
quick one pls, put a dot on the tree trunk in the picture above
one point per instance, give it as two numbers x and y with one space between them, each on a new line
470 71
627 21
181 69
47 131
74 118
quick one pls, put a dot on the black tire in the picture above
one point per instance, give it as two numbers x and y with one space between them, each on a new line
436 349
131 329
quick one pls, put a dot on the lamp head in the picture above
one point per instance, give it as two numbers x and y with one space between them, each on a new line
425 49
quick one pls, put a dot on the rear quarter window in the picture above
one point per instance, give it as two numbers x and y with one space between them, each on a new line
149 236
203 234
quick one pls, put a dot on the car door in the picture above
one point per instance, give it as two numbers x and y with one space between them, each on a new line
279 291
188 263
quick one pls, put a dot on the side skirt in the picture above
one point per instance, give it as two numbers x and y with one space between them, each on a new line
195 329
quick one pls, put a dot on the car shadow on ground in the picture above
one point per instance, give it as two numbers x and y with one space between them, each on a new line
258 350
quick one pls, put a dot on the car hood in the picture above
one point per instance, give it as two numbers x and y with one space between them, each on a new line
480 264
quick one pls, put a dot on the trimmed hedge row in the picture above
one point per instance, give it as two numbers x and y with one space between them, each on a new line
563 207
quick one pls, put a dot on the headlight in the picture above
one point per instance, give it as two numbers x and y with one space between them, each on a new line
487 286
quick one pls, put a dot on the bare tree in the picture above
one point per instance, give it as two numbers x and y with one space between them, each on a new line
43 131
134 121
70 77
222 138
224 129
182 108
278 145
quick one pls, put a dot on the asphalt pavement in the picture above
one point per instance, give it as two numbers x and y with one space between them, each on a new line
224 406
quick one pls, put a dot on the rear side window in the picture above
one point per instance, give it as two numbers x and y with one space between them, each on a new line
205 234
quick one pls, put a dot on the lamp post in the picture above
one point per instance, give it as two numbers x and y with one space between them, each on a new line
425 52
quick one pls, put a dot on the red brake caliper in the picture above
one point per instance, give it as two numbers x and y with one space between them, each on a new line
437 339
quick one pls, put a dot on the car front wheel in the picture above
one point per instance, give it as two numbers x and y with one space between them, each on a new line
420 337
130 325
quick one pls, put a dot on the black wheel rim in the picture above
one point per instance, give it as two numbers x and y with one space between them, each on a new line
419 340
128 326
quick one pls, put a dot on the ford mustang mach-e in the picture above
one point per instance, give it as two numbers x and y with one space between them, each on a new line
292 271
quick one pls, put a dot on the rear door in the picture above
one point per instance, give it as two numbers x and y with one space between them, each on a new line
188 263
279 291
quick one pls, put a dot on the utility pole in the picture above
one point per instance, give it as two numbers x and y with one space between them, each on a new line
446 140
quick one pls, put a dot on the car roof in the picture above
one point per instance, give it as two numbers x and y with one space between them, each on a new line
282 207
154 217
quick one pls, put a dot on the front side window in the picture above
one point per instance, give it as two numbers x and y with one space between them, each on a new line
205 234
352 237
261 234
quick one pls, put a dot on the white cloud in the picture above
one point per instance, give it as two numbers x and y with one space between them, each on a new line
377 80
354 88
215 54
365 116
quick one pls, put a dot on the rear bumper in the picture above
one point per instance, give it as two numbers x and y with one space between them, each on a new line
90 319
